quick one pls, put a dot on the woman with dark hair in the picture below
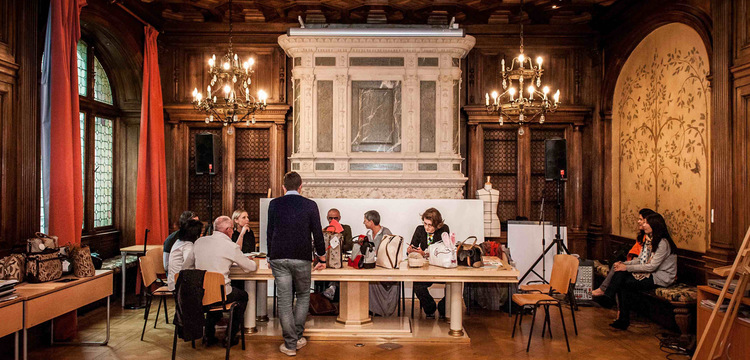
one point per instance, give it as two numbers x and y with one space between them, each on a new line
188 233
655 266
634 251
431 231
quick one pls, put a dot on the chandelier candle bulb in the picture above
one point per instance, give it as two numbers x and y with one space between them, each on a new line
531 92
486 99
539 62
557 97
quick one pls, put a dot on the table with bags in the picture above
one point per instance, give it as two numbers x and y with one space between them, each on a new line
354 289
51 281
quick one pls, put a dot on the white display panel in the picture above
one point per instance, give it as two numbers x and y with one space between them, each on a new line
525 244
401 216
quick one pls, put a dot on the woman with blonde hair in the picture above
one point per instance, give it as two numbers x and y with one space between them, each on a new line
243 235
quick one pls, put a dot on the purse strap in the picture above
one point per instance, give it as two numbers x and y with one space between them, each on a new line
394 264
467 239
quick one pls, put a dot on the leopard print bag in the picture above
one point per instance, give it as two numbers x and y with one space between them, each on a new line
43 267
83 266
14 267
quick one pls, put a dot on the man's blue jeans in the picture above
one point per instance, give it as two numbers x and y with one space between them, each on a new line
292 276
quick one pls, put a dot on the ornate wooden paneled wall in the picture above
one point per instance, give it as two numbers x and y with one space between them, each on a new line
19 151
253 156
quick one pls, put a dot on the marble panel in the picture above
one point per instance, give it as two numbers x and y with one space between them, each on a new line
427 61
376 61
324 166
456 62
296 115
325 116
428 167
297 61
376 166
427 108
376 116
325 61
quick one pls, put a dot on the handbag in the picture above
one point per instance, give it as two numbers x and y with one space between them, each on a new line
333 249
390 252
14 267
442 253
416 260
43 267
40 243
469 255
368 255
320 305
83 265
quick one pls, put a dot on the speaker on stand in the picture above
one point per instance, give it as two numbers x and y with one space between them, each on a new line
206 158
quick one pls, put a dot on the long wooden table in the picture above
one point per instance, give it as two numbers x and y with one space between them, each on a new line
354 290
46 301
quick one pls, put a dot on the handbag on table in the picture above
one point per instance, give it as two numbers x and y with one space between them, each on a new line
390 252
40 243
469 255
368 255
83 265
443 253
333 243
13 267
43 267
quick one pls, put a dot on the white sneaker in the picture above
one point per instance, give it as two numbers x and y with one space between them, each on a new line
286 351
330 292
301 343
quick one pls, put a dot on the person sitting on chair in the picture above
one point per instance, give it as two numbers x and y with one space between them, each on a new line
429 232
217 253
182 248
335 214
242 234
634 251
172 238
384 294
656 265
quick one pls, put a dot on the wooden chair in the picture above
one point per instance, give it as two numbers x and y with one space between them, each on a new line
563 269
148 274
157 257
214 295
548 289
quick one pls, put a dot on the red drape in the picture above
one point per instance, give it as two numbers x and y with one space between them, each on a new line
66 195
151 208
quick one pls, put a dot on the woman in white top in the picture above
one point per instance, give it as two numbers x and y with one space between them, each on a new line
187 235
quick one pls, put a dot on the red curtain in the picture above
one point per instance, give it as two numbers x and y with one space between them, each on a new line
66 195
151 198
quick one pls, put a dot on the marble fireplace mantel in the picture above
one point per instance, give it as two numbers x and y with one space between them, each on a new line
377 117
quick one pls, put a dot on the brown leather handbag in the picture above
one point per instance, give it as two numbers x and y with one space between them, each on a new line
469 255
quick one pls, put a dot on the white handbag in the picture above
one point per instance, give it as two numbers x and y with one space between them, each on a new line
390 252
443 253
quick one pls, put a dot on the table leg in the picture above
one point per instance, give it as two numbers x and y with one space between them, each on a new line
456 311
250 309
355 303
25 343
16 345
261 301
448 300
510 297
122 270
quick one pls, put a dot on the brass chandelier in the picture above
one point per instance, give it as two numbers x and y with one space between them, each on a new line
512 105
228 99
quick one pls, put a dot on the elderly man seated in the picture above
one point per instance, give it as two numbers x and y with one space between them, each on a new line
217 253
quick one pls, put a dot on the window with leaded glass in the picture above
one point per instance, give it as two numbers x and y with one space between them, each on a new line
82 50
102 91
103 175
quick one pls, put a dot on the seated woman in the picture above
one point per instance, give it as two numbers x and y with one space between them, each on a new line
243 235
655 266
429 232
188 233
634 251
384 294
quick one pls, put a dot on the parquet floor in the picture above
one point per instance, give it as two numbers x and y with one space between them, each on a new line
489 331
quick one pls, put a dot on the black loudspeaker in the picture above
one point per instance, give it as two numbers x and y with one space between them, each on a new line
555 163
206 154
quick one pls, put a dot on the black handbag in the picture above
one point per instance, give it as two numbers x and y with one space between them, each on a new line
367 249
469 255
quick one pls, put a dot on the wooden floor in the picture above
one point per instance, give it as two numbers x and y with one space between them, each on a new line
489 331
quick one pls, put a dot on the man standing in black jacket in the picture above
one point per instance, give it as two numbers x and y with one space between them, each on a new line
292 221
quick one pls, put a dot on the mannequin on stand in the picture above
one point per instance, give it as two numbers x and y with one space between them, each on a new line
490 197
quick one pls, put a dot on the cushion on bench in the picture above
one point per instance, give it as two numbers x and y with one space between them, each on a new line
601 269
678 293
115 263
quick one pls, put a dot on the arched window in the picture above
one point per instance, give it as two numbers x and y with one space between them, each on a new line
97 114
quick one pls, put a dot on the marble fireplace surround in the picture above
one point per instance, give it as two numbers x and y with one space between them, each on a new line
377 117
